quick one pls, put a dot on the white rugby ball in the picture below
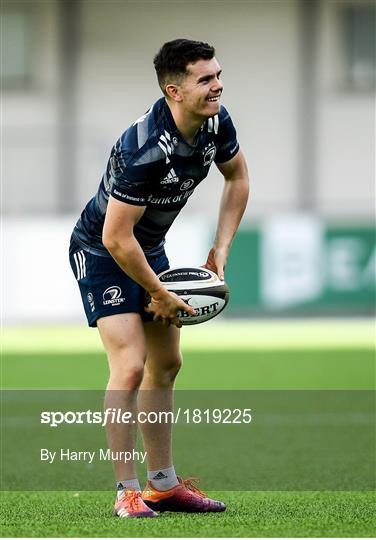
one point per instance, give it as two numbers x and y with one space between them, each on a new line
198 287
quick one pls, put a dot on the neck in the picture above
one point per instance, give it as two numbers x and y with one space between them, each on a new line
187 124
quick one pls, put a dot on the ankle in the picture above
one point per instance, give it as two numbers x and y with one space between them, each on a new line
123 485
163 479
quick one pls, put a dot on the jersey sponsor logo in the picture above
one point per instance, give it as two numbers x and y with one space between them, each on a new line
171 178
209 154
128 197
112 296
235 148
187 184
165 144
170 200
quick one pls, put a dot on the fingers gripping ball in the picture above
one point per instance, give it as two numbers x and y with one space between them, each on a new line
200 288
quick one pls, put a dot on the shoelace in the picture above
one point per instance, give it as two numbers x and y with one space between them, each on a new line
191 484
133 498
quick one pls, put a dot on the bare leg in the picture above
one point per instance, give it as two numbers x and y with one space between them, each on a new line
156 392
124 340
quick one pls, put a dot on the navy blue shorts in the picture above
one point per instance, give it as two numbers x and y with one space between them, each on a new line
105 288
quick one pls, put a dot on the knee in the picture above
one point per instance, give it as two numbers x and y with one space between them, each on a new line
126 379
126 371
175 367
165 375
169 373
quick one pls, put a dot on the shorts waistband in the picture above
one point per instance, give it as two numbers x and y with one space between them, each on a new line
154 252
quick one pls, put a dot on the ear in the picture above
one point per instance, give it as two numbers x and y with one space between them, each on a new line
173 91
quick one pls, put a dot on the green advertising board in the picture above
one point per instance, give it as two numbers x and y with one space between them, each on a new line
297 265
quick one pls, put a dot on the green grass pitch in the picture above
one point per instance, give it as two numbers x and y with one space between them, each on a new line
259 356
249 514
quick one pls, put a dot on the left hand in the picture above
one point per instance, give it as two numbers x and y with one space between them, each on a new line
216 261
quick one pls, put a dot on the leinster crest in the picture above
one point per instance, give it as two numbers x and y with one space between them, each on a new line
209 154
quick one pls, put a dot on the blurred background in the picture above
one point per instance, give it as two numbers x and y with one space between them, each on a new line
299 81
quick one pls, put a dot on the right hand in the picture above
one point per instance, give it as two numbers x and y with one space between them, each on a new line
165 305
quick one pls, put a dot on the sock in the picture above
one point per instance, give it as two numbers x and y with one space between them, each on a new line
163 479
122 485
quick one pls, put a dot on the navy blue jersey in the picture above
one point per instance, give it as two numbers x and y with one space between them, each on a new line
152 165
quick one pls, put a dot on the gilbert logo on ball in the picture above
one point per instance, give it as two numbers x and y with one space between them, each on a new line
200 288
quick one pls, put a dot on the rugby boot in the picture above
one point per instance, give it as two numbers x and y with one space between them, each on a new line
131 505
185 497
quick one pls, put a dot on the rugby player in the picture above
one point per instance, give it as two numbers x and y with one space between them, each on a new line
117 250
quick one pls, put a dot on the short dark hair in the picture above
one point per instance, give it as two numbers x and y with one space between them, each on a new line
172 59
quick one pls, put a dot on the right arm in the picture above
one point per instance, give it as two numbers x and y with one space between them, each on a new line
119 240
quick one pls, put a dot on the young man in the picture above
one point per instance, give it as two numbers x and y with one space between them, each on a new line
117 251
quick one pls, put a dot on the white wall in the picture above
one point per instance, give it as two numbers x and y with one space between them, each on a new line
258 46
346 127
29 119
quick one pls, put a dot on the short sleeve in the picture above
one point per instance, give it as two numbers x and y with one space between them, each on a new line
132 169
228 145
130 183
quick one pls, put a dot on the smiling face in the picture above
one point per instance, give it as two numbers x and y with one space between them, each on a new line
199 92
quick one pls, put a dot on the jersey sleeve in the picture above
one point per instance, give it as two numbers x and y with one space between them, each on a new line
131 177
228 145
130 184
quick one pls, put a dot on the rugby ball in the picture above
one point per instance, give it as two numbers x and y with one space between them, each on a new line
198 287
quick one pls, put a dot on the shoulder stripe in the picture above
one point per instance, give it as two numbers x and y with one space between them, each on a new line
213 124
163 138
216 123
162 146
165 144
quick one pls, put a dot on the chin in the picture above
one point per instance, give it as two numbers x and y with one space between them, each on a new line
212 108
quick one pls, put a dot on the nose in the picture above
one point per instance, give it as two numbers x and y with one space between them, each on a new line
217 85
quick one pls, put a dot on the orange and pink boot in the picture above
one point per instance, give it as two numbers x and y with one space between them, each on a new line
131 505
185 497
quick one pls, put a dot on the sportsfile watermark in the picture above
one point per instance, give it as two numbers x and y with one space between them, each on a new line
249 440
119 416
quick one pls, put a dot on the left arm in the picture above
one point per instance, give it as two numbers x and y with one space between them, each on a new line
233 203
